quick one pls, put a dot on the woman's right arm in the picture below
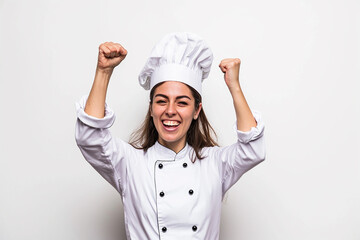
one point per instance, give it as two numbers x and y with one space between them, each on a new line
110 55
105 153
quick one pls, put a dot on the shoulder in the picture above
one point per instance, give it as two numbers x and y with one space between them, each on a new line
128 148
209 152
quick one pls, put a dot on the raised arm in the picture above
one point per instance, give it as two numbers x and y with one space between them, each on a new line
105 153
231 67
110 55
249 150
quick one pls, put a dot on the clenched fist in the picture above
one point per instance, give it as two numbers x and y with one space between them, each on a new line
231 67
110 55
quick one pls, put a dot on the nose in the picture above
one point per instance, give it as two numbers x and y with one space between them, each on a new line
171 110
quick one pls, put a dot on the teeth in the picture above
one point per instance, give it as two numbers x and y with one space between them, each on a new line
171 123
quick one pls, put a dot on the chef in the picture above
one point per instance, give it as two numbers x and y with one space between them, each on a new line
172 176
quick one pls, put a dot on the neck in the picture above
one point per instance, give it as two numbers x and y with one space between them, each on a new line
175 146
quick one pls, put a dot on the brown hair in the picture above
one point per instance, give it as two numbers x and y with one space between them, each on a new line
198 136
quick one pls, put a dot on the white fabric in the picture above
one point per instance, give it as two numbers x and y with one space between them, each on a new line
176 72
179 56
137 177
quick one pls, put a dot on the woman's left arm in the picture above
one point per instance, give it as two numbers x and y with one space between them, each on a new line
249 150
231 67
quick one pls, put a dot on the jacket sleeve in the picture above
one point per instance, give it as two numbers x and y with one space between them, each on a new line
240 157
106 154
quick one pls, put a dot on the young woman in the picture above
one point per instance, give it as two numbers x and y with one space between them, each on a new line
172 177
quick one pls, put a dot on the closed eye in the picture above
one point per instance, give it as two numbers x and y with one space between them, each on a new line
160 101
183 103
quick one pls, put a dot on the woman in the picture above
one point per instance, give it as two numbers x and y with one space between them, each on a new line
172 177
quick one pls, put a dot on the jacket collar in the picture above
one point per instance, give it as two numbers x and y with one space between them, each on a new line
167 154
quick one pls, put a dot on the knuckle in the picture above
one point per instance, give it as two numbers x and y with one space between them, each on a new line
107 51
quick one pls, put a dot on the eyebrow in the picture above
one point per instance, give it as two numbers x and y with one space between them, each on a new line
178 97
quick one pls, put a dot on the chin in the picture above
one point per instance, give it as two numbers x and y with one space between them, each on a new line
170 140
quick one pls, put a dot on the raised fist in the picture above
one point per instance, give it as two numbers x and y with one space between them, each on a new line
110 55
231 67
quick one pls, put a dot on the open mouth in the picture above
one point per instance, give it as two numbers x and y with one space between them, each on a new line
170 125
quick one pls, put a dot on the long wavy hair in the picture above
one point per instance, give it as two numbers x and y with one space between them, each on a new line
198 136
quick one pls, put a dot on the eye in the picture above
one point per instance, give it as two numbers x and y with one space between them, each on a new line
160 102
183 103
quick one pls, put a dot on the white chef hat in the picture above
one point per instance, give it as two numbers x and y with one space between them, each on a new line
179 56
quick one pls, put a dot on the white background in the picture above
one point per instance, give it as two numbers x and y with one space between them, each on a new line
300 69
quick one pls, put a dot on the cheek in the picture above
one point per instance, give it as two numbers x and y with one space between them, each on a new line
156 113
188 114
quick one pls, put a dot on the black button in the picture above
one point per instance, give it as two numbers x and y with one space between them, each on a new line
160 166
162 194
164 229
191 192
194 228
184 165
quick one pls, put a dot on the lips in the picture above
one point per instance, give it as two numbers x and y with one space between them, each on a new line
170 125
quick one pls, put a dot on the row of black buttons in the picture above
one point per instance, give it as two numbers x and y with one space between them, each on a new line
194 228
191 192
161 165
162 194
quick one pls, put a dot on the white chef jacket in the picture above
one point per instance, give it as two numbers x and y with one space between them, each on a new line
165 195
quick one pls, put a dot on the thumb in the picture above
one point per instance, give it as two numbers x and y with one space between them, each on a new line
222 68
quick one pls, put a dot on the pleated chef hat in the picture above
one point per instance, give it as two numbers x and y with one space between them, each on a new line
179 56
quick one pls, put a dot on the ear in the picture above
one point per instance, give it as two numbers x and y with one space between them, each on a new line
198 111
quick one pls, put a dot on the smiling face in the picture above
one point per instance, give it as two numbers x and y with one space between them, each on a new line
173 110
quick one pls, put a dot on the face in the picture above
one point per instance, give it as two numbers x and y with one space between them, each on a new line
173 110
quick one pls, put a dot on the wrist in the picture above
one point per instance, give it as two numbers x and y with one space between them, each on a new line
104 71
103 74
235 89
